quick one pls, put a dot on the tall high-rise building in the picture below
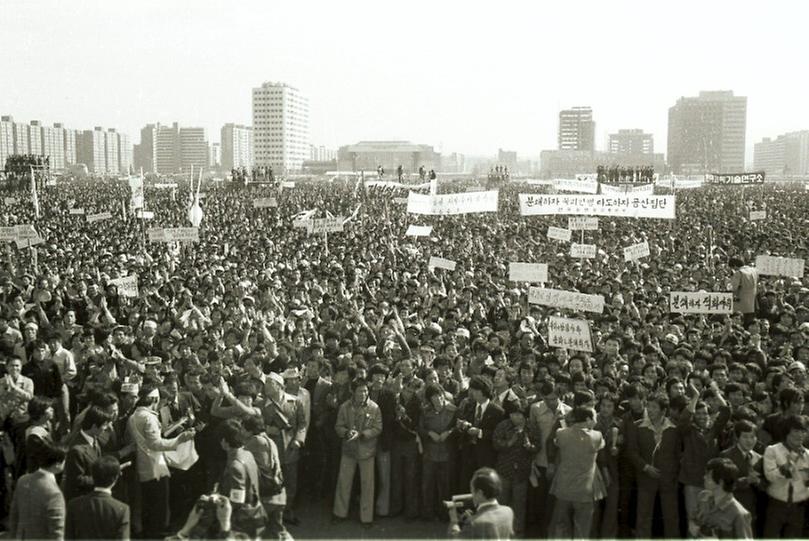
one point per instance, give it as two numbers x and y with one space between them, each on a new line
237 146
6 139
111 158
145 153
91 150
507 158
632 142
280 127
787 154
215 155
124 154
193 149
69 141
167 149
35 138
53 146
21 138
707 133
577 130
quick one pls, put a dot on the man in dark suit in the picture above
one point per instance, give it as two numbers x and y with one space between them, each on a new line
38 507
478 420
83 451
750 464
490 519
98 515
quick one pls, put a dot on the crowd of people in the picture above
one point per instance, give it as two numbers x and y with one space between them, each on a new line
622 173
263 366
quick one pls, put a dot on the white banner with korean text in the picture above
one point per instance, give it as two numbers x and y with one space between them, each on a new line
451 204
768 265
559 298
652 206
569 333
701 302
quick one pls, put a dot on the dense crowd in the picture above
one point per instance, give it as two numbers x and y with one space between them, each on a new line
263 365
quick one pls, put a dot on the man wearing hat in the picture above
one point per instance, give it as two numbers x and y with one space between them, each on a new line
285 420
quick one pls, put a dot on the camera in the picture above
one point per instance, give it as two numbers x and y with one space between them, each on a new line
460 502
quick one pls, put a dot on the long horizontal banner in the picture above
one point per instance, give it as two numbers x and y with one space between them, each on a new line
528 272
680 184
756 177
325 225
570 333
702 302
98 217
174 234
652 206
578 186
636 190
450 204
768 265
393 185
559 298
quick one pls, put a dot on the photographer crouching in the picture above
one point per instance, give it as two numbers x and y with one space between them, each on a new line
478 515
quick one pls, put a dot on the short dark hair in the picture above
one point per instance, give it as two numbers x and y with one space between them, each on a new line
794 422
742 426
233 433
723 472
106 470
51 455
253 424
95 416
789 396
38 406
488 482
481 384
581 415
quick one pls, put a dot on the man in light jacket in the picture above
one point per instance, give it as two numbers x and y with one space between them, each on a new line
153 470
359 424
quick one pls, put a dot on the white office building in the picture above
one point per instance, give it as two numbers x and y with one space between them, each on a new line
280 127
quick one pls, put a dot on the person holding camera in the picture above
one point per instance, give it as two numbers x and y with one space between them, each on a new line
489 520
153 470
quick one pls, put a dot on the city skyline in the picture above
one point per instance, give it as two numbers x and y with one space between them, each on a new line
481 94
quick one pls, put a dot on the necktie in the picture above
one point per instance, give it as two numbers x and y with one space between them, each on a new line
478 414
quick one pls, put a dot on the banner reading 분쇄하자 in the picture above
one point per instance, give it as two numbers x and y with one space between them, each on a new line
628 206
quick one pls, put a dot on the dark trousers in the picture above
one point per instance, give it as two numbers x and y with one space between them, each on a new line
605 518
648 490
404 479
155 505
434 488
784 520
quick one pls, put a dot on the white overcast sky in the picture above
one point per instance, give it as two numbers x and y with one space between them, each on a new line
466 76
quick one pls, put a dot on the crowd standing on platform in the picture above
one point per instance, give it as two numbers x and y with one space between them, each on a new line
262 366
